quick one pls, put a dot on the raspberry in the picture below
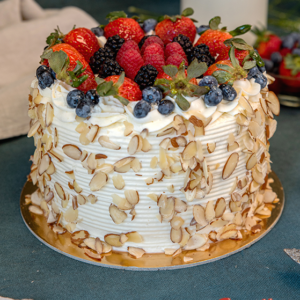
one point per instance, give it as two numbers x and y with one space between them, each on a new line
176 60
153 49
156 60
131 44
131 62
174 48
151 40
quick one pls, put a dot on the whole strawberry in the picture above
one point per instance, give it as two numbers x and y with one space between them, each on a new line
266 42
290 67
126 28
239 54
171 27
128 90
70 66
131 62
84 41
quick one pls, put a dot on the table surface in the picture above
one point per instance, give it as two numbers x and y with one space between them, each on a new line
29 269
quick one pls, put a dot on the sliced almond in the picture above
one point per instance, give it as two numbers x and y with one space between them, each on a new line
170 188
180 205
92 198
105 142
220 207
179 141
123 162
49 114
229 234
211 147
81 127
133 145
79 236
196 241
251 162
118 181
209 211
168 131
98 181
234 206
98 246
36 210
153 162
76 186
60 191
93 132
254 129
199 215
91 161
136 165
70 174
90 242
149 180
122 203
128 128
44 164
230 165
232 147
105 168
199 154
242 183
273 103
113 240
117 215
136 252
72 151
176 235
132 197
245 104
153 197
81 199
83 139
218 223
242 120
74 203
134 237
146 145
71 215
175 168
254 186
33 129
258 176
189 151
176 222
248 141
167 210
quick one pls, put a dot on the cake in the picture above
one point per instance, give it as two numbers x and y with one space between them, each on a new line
158 144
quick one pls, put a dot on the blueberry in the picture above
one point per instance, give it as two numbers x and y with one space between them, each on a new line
74 97
296 36
149 24
268 65
229 93
141 109
91 97
45 79
83 109
261 79
209 81
152 94
253 72
288 42
202 28
262 69
165 107
296 51
213 97
53 73
276 58
41 69
97 31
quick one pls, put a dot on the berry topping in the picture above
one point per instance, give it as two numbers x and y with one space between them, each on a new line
97 31
202 28
166 107
176 60
44 76
261 79
152 94
229 93
92 97
149 24
146 76
209 81
114 43
267 67
128 45
290 67
156 60
276 58
131 62
153 49
185 43
213 97
109 68
174 48
74 97
83 109
252 72
141 109
202 54
151 40
84 41
100 57
126 28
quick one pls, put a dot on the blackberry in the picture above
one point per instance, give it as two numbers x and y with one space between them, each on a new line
109 68
114 43
146 76
100 57
185 43
201 52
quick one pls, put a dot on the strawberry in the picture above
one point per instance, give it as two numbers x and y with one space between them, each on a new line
131 62
174 48
176 60
290 67
214 67
266 42
131 44
126 28
156 60
129 89
239 54
70 66
285 51
84 41
153 49
171 27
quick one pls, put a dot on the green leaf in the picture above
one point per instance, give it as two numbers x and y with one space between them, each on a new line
182 102
199 90
124 101
103 88
76 82
170 70
162 81
99 80
240 30
181 71
196 69
120 80
57 61
222 76
114 15
187 12
195 21
257 58
225 68
113 91
47 53
162 87
249 64
214 23
232 57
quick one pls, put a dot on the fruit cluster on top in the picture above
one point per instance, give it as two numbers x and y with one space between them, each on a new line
133 65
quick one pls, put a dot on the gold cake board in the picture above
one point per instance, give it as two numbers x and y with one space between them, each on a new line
38 226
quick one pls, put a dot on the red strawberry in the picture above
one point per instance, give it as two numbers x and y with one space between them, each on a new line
127 46
214 67
239 54
165 76
126 28
156 61
290 67
176 60
74 56
84 41
285 51
129 89
153 49
266 42
151 40
170 28
174 48
131 62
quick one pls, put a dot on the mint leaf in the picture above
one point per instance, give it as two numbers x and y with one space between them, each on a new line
214 23
120 80
196 69
249 64
222 76
124 101
232 57
57 61
240 30
182 102
104 87
99 80
187 12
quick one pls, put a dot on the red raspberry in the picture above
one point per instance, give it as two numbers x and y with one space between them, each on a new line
131 62
176 60
156 60
174 48
153 49
131 44
151 40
